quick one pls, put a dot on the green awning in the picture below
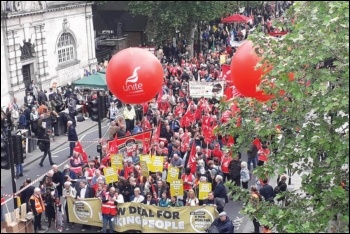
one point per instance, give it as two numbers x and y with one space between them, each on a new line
97 80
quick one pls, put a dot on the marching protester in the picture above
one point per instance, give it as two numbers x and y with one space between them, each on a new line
182 137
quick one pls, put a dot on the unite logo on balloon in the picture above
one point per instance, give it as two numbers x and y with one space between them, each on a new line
131 84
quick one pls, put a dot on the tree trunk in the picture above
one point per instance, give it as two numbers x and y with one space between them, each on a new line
190 39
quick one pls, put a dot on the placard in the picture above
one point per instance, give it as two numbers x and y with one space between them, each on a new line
144 168
204 189
110 175
177 188
157 164
117 162
148 160
206 89
173 174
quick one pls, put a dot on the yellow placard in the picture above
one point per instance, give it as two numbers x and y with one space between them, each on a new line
177 188
144 168
148 160
157 164
117 162
222 59
173 174
144 218
110 175
204 189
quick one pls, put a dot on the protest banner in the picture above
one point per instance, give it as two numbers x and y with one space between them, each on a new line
157 164
148 160
144 168
117 162
206 89
144 218
110 175
130 143
173 174
204 189
177 188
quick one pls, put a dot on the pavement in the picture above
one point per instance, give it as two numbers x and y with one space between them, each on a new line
88 135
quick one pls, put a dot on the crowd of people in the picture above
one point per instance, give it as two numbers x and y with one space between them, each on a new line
182 135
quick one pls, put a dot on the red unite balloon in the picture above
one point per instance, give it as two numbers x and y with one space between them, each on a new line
134 75
244 75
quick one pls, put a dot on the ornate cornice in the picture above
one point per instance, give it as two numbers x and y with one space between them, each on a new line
68 6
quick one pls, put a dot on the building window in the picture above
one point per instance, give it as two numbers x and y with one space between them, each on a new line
66 48
26 74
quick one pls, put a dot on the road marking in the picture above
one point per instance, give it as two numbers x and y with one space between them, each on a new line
91 132
54 156
237 222
60 150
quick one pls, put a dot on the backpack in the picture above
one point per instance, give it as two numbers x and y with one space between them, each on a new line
277 190
219 172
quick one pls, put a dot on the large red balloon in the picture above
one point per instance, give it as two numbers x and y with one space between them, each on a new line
244 75
134 75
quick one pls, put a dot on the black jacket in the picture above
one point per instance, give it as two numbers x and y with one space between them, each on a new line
267 192
235 169
88 194
252 151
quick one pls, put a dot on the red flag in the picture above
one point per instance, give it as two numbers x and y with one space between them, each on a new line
192 159
207 133
79 148
113 147
156 134
257 143
187 119
185 142
145 145
145 107
225 72
127 133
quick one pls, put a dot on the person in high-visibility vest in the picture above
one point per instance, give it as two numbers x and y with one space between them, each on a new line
109 209
37 207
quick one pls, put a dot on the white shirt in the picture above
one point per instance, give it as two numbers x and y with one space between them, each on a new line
140 198
82 192
120 199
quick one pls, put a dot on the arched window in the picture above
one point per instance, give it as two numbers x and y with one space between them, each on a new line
66 48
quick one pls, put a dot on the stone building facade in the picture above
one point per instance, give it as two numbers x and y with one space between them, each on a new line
44 41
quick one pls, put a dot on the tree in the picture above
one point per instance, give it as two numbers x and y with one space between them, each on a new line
184 16
313 113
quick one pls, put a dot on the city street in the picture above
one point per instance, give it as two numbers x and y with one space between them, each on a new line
88 135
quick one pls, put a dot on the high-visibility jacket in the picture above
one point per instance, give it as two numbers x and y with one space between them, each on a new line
109 207
39 203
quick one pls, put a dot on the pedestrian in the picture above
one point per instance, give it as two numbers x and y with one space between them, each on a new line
220 192
109 209
45 147
72 137
252 155
245 176
85 191
223 224
266 191
58 215
235 171
129 116
72 108
49 201
255 199
37 207
68 191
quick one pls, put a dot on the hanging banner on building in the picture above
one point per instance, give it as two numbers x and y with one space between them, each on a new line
177 188
110 175
204 189
173 174
144 218
131 142
117 162
157 164
206 89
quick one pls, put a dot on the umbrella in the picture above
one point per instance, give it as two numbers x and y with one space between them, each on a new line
236 18
97 80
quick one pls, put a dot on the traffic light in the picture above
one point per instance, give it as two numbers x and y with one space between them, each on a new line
104 108
94 110
17 149
5 156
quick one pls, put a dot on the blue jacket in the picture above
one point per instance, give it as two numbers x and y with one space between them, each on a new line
72 134
220 191
22 121
225 226
267 192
